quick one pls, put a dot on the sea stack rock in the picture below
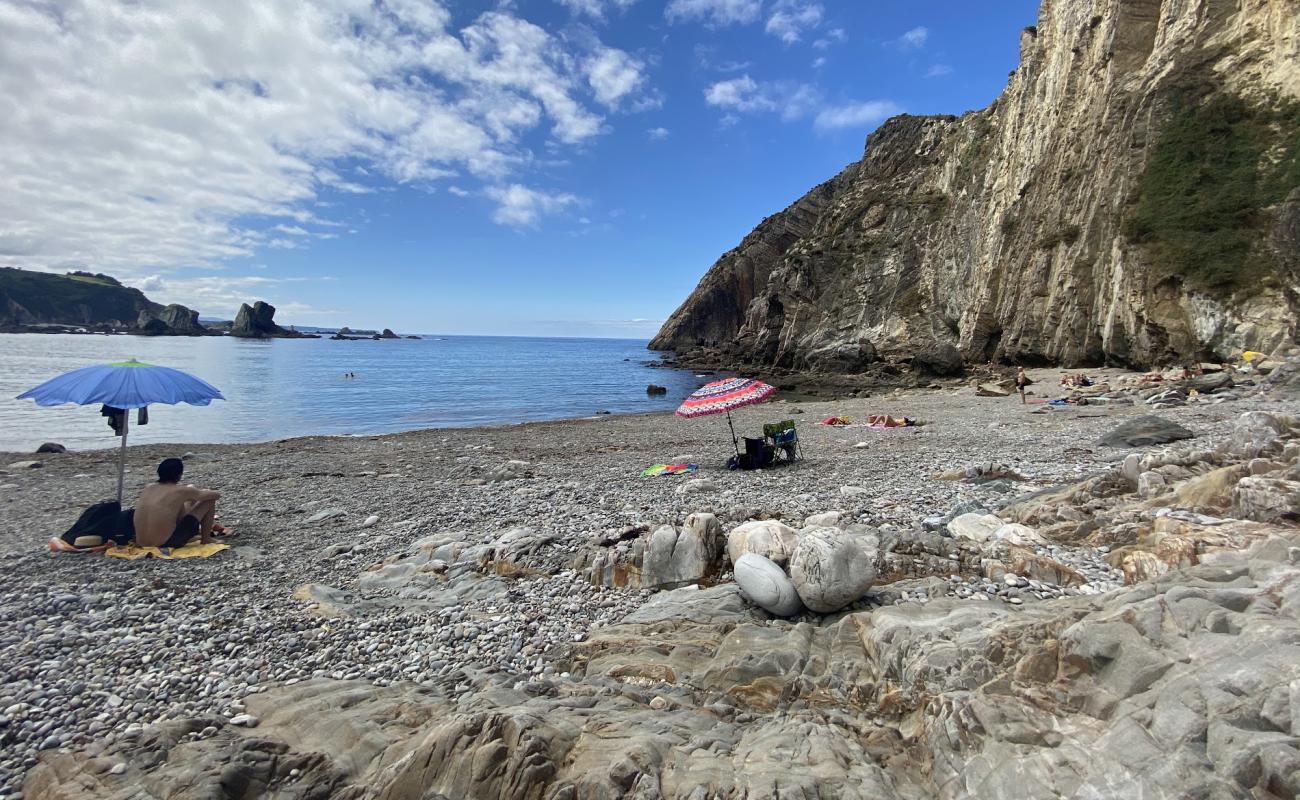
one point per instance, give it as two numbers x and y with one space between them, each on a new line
256 322
171 320
388 334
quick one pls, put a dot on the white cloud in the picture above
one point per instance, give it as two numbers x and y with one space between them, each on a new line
715 12
745 95
457 191
938 71
818 63
521 207
833 36
145 135
594 8
613 75
221 295
913 39
856 115
742 94
790 18
658 134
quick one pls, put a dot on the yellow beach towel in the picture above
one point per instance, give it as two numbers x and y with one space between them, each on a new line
194 550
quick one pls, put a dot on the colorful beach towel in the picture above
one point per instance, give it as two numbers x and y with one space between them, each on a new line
835 421
668 469
131 552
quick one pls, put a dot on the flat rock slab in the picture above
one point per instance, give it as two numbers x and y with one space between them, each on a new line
1145 430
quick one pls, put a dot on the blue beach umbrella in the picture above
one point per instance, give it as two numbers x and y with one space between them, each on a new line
125 385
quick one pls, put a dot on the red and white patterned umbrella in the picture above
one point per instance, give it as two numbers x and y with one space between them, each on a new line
725 395
721 397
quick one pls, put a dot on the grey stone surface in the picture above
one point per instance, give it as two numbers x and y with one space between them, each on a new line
1144 431
676 557
766 585
832 568
768 538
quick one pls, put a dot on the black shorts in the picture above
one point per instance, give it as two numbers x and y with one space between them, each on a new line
187 527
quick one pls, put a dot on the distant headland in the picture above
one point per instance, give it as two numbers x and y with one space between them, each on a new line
88 303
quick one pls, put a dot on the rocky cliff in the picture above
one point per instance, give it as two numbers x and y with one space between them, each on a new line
172 320
258 322
1131 198
35 301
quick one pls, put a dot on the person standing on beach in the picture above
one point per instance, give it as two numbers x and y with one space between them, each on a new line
170 515
1022 380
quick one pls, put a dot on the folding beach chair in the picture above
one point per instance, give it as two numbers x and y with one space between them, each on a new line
784 438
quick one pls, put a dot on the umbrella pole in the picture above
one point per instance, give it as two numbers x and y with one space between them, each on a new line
121 456
734 442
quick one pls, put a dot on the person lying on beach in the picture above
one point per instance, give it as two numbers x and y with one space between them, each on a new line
169 514
886 421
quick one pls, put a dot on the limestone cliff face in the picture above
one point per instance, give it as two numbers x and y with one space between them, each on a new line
1038 230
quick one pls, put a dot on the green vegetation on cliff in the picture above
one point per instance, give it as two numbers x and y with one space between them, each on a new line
1202 201
41 298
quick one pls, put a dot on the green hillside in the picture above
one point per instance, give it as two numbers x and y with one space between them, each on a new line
41 298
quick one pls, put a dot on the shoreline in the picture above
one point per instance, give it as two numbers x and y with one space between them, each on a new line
113 448
314 597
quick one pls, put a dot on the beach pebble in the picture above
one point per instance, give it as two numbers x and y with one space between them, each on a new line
371 521
329 513
697 486
245 720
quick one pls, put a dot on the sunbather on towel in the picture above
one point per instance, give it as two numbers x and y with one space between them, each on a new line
887 421
169 514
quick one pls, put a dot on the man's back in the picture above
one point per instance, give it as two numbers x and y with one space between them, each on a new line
157 511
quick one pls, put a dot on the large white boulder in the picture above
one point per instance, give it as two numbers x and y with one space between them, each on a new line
832 568
677 557
768 538
975 527
1019 535
766 585
827 519
1258 434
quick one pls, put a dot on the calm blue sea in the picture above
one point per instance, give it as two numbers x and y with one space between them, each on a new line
296 387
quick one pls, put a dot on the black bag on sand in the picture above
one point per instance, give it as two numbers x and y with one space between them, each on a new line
124 530
100 520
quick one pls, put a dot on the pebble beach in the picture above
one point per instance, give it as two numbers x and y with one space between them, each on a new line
94 649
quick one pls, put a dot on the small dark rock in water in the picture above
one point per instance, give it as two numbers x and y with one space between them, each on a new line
655 389
603 413
51 447
1145 430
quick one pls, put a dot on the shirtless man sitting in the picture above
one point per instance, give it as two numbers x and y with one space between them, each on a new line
170 515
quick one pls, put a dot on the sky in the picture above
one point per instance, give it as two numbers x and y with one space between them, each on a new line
515 167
